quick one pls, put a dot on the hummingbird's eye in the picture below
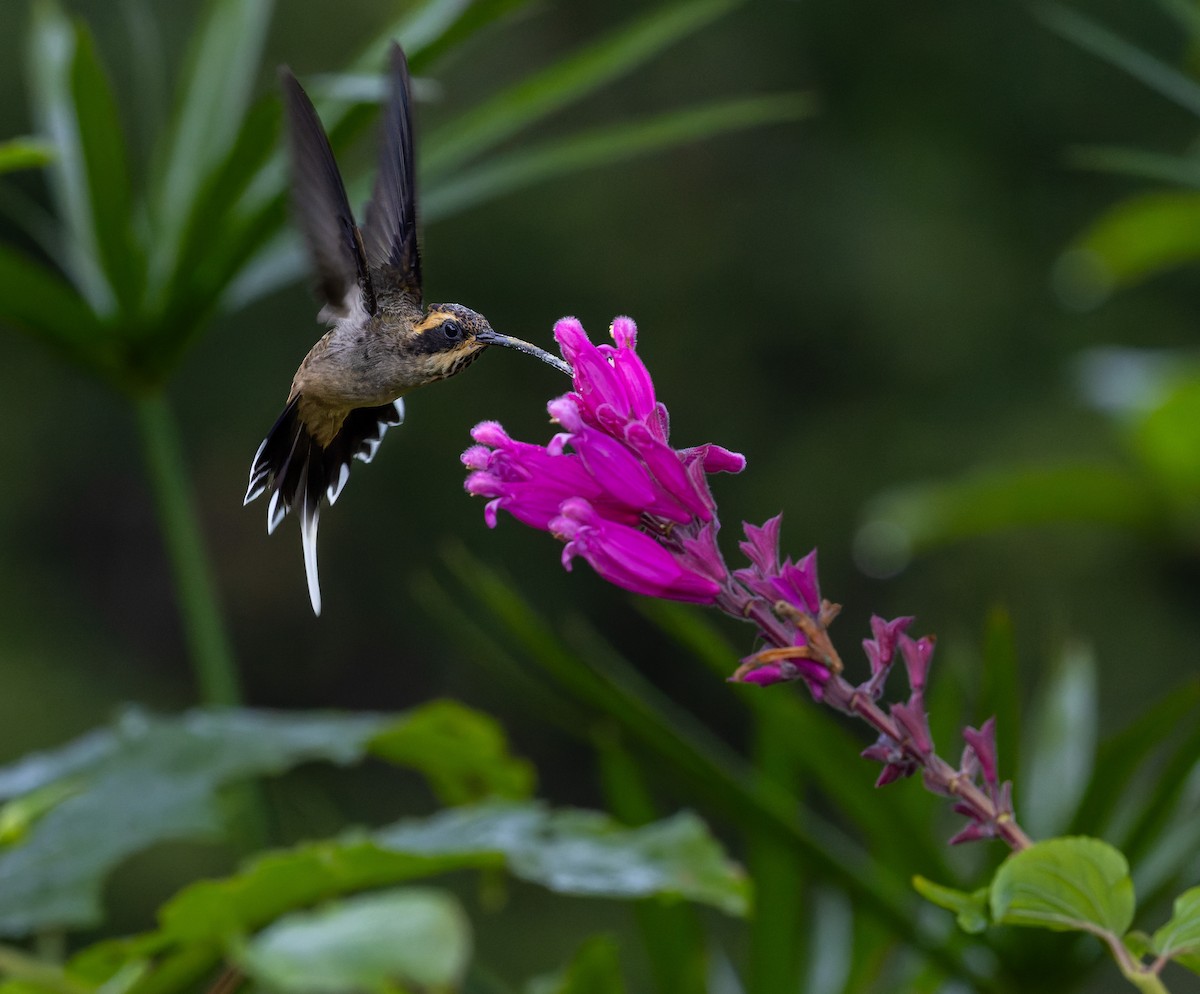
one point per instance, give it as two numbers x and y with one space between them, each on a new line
452 330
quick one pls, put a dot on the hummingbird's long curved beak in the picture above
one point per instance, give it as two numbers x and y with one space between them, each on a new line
490 337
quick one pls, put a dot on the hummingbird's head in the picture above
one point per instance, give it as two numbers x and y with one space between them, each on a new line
450 337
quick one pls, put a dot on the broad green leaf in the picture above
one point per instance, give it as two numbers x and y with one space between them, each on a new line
462 753
151 779
53 49
595 969
502 175
1134 239
1136 162
1115 50
1065 884
566 81
584 853
970 907
1180 937
416 937
571 852
212 94
24 153
1062 743
933 514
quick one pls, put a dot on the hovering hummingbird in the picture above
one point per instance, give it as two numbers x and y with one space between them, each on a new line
383 341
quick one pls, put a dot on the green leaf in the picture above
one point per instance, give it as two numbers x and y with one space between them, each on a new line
595 969
571 852
1074 883
1062 743
24 153
1180 937
373 942
970 908
1116 51
502 175
150 779
1134 239
584 853
461 752
74 110
566 81
928 515
213 93
106 168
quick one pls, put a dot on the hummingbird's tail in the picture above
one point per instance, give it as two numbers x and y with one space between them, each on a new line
301 471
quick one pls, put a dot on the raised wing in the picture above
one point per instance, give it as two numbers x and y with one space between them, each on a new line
319 200
390 231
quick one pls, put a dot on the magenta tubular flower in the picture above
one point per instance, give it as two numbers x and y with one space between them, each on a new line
609 484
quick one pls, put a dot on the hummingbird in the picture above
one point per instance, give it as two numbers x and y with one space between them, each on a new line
383 340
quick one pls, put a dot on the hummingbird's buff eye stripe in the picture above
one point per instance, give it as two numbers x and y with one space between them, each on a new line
382 341
432 321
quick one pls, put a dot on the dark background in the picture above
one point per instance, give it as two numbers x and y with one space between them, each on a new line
856 301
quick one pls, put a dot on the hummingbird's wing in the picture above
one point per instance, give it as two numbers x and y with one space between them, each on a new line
390 231
323 212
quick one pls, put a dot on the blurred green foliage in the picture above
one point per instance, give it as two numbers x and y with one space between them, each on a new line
916 285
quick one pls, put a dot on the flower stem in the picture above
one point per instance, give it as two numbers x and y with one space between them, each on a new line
208 642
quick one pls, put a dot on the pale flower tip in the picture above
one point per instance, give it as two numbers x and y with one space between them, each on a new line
721 460
571 337
490 433
476 457
624 332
